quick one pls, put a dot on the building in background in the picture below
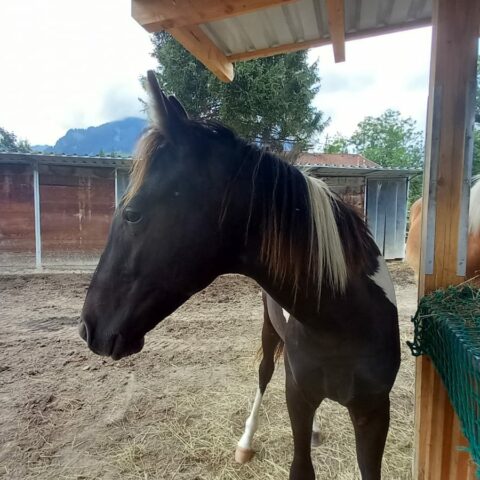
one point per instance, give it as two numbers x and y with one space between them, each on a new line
56 210
379 194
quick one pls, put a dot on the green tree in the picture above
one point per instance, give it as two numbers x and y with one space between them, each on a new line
389 140
268 102
10 143
336 144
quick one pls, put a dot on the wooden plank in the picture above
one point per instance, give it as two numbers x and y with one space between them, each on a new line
201 47
320 42
17 233
336 26
156 15
76 218
453 62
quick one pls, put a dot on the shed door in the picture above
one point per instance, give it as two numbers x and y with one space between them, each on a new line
386 215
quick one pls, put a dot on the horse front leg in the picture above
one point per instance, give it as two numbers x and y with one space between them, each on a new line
371 420
270 341
316 434
302 414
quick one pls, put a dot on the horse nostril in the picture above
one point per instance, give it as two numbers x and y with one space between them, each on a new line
82 330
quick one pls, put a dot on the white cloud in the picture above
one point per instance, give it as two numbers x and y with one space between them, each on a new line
65 64
389 71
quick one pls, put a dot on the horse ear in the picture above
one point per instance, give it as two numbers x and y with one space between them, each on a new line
164 115
175 103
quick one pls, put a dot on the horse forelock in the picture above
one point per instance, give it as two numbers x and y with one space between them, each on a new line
144 153
474 213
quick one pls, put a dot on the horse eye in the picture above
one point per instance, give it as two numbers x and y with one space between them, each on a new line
132 216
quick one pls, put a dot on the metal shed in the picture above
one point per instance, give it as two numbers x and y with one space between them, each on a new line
380 194
57 208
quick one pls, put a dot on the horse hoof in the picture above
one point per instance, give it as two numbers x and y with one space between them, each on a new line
243 455
316 439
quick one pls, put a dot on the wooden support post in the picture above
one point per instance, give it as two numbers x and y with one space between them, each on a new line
116 188
446 189
36 209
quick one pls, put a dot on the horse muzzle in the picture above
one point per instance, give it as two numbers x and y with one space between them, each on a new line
115 346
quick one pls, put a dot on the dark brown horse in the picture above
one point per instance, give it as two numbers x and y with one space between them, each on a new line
202 203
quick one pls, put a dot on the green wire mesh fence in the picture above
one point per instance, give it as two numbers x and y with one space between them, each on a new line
447 329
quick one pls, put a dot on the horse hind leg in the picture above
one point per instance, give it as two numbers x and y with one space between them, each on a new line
371 422
301 413
270 344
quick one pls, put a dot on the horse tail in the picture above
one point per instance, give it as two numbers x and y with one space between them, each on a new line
278 351
474 213
277 355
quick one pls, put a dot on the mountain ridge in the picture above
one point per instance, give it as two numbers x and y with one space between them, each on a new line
118 137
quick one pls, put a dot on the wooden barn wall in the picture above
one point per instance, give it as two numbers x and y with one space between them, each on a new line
350 189
17 229
76 208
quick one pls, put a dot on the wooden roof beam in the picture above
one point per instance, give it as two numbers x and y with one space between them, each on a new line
336 25
201 47
155 15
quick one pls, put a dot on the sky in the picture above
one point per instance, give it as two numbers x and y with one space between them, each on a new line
73 64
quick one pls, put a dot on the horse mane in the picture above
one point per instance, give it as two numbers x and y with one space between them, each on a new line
474 212
308 234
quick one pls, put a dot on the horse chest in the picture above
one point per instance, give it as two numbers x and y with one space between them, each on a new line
336 365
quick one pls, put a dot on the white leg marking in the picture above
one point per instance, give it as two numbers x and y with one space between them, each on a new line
383 279
285 314
316 437
315 426
251 424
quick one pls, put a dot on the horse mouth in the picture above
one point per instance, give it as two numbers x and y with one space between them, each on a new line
121 348
117 346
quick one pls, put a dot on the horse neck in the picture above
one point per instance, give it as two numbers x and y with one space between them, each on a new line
270 224
270 197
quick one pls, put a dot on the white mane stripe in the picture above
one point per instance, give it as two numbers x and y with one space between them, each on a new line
325 237
474 213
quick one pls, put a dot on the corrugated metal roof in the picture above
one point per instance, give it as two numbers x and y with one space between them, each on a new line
336 159
369 172
306 20
369 168
66 160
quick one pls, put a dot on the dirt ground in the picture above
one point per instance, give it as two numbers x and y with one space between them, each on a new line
174 411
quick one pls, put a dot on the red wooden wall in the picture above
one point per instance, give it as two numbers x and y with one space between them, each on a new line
17 229
76 208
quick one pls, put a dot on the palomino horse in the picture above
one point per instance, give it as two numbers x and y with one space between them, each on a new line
202 203
412 252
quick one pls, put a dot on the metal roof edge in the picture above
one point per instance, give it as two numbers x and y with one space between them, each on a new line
21 158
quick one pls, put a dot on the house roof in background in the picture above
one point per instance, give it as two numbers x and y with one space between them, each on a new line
221 32
336 159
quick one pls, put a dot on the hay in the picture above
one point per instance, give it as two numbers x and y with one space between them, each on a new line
202 430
